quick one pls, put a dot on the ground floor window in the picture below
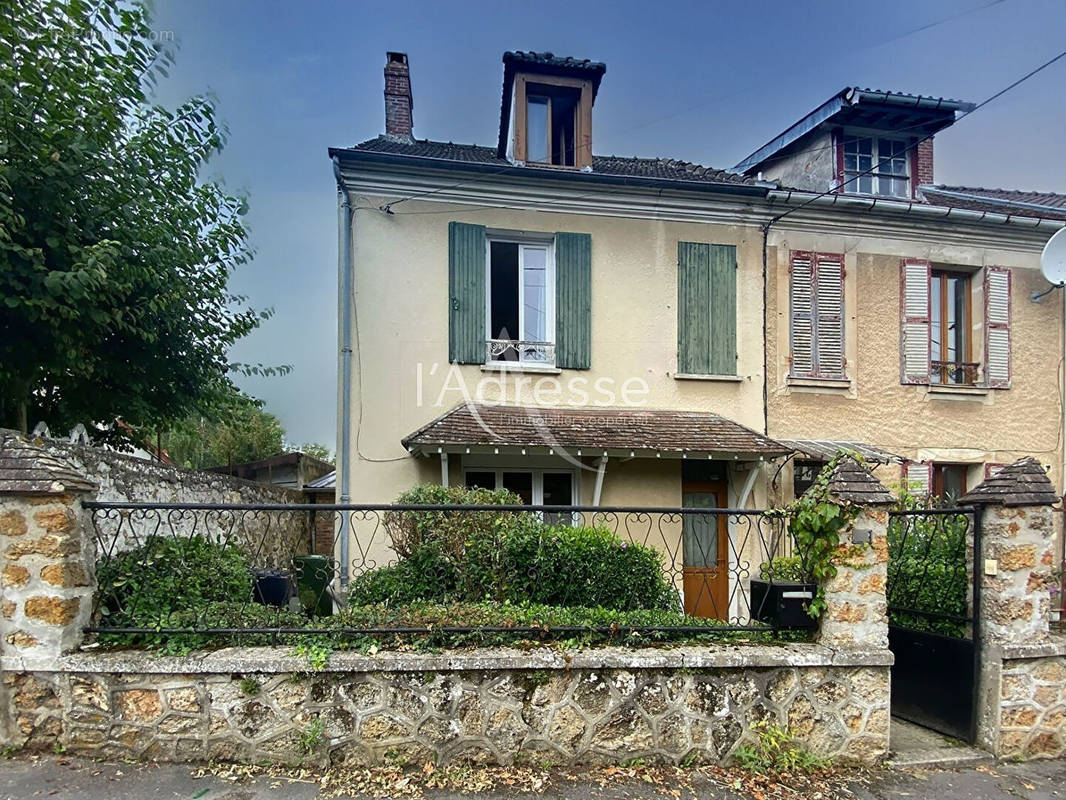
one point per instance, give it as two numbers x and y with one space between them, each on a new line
804 474
538 487
949 481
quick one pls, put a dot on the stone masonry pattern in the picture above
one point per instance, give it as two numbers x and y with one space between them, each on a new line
1033 708
583 716
45 574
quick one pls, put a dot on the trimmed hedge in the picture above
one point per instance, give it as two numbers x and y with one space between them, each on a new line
509 557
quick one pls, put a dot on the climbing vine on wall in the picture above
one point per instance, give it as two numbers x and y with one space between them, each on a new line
817 521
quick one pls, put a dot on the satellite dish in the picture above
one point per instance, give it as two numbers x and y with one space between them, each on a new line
1053 259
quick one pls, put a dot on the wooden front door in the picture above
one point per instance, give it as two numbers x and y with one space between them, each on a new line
705 543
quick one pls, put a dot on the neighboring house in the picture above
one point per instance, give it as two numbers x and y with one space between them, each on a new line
601 330
911 329
295 470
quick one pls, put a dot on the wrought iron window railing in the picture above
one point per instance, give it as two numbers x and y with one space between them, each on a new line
357 569
955 373
518 351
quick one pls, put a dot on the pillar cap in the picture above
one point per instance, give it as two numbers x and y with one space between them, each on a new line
1023 483
26 468
851 481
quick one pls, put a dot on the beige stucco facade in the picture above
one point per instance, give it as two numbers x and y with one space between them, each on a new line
401 363
920 423
402 380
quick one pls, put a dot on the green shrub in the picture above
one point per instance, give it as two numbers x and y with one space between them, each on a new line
449 531
167 575
426 575
559 565
927 571
783 568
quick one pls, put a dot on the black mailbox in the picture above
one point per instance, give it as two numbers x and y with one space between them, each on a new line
783 604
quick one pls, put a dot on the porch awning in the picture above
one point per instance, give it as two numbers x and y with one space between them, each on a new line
825 449
591 431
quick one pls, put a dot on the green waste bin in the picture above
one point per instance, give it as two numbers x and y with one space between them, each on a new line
313 574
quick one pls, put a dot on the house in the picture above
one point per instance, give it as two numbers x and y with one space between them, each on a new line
586 329
295 470
911 330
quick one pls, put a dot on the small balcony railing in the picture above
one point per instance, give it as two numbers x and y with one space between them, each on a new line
955 373
521 352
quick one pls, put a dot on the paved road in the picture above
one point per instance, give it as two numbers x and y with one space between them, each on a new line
66 778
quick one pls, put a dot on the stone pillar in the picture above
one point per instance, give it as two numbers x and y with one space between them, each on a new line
1016 522
1021 703
46 555
856 612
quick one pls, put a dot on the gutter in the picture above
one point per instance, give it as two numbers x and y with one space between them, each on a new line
344 265
927 210
995 201
373 157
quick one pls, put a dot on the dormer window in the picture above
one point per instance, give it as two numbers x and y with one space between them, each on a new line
551 124
546 116
891 177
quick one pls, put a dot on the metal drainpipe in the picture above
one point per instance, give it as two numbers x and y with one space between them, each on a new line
765 336
344 456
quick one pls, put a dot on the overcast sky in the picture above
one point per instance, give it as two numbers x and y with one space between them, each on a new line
701 81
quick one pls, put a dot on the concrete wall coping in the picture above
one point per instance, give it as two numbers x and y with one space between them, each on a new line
1055 646
280 660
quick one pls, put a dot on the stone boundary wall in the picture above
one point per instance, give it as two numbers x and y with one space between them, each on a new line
479 707
1024 700
125 478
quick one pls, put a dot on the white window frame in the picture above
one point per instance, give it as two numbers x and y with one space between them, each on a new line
538 479
851 186
524 242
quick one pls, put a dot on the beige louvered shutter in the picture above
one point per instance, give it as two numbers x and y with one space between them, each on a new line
914 321
802 305
829 305
919 478
997 327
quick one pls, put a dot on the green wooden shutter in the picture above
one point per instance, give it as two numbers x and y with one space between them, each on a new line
573 300
706 309
466 293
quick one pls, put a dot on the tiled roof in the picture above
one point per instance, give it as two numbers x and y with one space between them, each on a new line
528 57
825 449
853 482
597 429
1023 483
649 168
27 469
1046 205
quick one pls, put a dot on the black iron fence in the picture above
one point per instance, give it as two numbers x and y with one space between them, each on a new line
291 570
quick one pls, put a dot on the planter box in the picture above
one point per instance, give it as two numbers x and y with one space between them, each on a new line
782 604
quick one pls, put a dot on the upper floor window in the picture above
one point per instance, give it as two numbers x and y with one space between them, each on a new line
523 298
552 121
876 165
937 322
950 329
521 310
816 300
551 124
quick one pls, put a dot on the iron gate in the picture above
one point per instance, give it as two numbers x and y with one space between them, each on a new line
934 613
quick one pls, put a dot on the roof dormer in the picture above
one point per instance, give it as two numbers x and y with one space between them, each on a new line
546 114
860 141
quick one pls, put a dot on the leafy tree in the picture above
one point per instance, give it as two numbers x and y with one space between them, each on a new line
316 450
236 430
114 255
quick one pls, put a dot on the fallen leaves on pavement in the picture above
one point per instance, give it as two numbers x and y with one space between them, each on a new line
672 782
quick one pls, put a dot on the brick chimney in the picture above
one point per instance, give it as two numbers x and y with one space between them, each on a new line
925 163
398 102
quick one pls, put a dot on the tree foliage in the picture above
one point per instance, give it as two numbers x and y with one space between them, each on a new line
235 429
114 254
